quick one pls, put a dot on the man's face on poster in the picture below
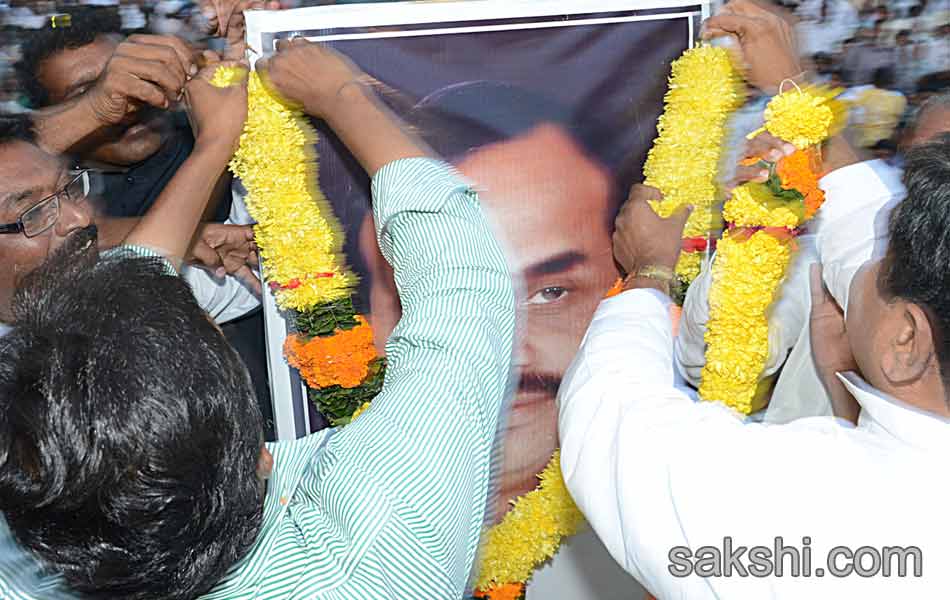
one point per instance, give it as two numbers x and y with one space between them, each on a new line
550 205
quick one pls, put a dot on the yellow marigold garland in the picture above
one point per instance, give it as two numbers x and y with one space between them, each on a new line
530 533
746 276
705 89
299 238
300 242
754 254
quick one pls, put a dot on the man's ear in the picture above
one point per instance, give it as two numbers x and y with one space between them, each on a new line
909 351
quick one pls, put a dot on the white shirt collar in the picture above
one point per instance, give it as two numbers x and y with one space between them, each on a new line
885 414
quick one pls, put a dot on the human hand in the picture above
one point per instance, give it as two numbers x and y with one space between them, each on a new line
309 75
766 38
217 114
143 70
830 347
227 250
763 147
642 237
225 18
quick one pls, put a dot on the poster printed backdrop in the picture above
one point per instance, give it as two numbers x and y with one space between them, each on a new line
549 108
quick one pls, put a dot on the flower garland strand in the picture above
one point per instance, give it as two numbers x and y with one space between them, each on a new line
753 256
683 163
301 243
529 534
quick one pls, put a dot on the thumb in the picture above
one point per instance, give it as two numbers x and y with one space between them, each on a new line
681 215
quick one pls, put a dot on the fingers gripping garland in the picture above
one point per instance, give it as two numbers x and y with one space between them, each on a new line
754 253
683 164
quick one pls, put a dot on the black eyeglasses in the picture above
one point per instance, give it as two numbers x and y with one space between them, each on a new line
44 214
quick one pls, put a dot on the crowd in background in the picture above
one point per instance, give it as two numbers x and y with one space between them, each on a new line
889 55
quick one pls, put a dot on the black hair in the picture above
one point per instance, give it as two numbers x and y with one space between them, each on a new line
916 267
883 78
464 117
129 432
933 83
86 23
16 128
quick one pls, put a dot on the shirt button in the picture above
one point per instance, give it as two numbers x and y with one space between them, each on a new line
283 500
130 180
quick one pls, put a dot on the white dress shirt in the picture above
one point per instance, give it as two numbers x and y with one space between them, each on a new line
224 298
651 468
859 199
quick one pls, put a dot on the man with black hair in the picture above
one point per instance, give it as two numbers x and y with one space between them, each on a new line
166 491
47 241
111 102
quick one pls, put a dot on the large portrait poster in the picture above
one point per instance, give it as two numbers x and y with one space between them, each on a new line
549 107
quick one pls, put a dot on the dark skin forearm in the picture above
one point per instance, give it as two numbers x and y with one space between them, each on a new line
170 223
113 230
369 131
61 128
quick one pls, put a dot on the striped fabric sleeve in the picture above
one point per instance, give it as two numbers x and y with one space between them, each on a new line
416 464
127 251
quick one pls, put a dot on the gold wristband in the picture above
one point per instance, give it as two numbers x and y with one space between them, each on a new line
662 275
655 272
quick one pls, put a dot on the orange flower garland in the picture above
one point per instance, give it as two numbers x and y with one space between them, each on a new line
799 171
340 359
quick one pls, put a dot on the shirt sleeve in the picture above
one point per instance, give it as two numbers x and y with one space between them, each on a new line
853 221
624 425
224 299
420 455
127 251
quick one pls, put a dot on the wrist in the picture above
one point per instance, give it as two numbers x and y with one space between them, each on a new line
215 147
650 275
646 283
351 97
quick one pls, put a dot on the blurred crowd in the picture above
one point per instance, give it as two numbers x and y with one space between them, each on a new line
889 56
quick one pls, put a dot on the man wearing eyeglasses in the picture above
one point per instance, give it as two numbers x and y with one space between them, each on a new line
43 208
44 214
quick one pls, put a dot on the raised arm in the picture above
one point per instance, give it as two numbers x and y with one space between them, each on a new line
218 116
423 450
145 70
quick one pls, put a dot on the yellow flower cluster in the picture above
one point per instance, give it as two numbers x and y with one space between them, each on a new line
750 268
299 239
753 205
705 89
746 277
804 117
531 532
689 265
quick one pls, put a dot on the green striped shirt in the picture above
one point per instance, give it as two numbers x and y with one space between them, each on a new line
392 506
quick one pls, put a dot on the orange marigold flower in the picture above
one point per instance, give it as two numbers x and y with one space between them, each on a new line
341 359
799 171
508 591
